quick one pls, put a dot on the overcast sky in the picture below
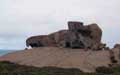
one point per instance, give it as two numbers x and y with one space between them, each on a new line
20 19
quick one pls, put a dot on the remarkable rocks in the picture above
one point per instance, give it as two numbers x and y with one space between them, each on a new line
55 49
77 36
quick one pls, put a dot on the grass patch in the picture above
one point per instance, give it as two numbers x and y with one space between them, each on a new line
8 68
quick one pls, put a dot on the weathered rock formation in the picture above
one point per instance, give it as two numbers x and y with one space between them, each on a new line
117 46
53 39
77 36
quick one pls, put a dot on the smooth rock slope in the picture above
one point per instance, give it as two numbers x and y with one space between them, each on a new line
60 57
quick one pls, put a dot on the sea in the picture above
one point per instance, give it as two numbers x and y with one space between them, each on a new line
3 52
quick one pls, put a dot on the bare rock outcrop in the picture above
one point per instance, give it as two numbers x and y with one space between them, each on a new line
86 61
116 50
77 36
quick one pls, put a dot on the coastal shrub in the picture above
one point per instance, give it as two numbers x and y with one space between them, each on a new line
109 70
8 68
104 70
116 69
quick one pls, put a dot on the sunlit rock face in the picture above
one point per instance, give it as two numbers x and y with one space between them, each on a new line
78 35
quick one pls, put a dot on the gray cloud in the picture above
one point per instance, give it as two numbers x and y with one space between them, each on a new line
20 19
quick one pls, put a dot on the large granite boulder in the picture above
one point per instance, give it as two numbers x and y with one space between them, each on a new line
58 37
80 36
36 41
117 46
95 35
39 41
77 36
52 39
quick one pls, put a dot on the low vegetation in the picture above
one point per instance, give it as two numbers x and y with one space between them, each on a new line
8 68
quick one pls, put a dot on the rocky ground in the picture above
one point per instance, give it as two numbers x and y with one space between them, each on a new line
85 60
